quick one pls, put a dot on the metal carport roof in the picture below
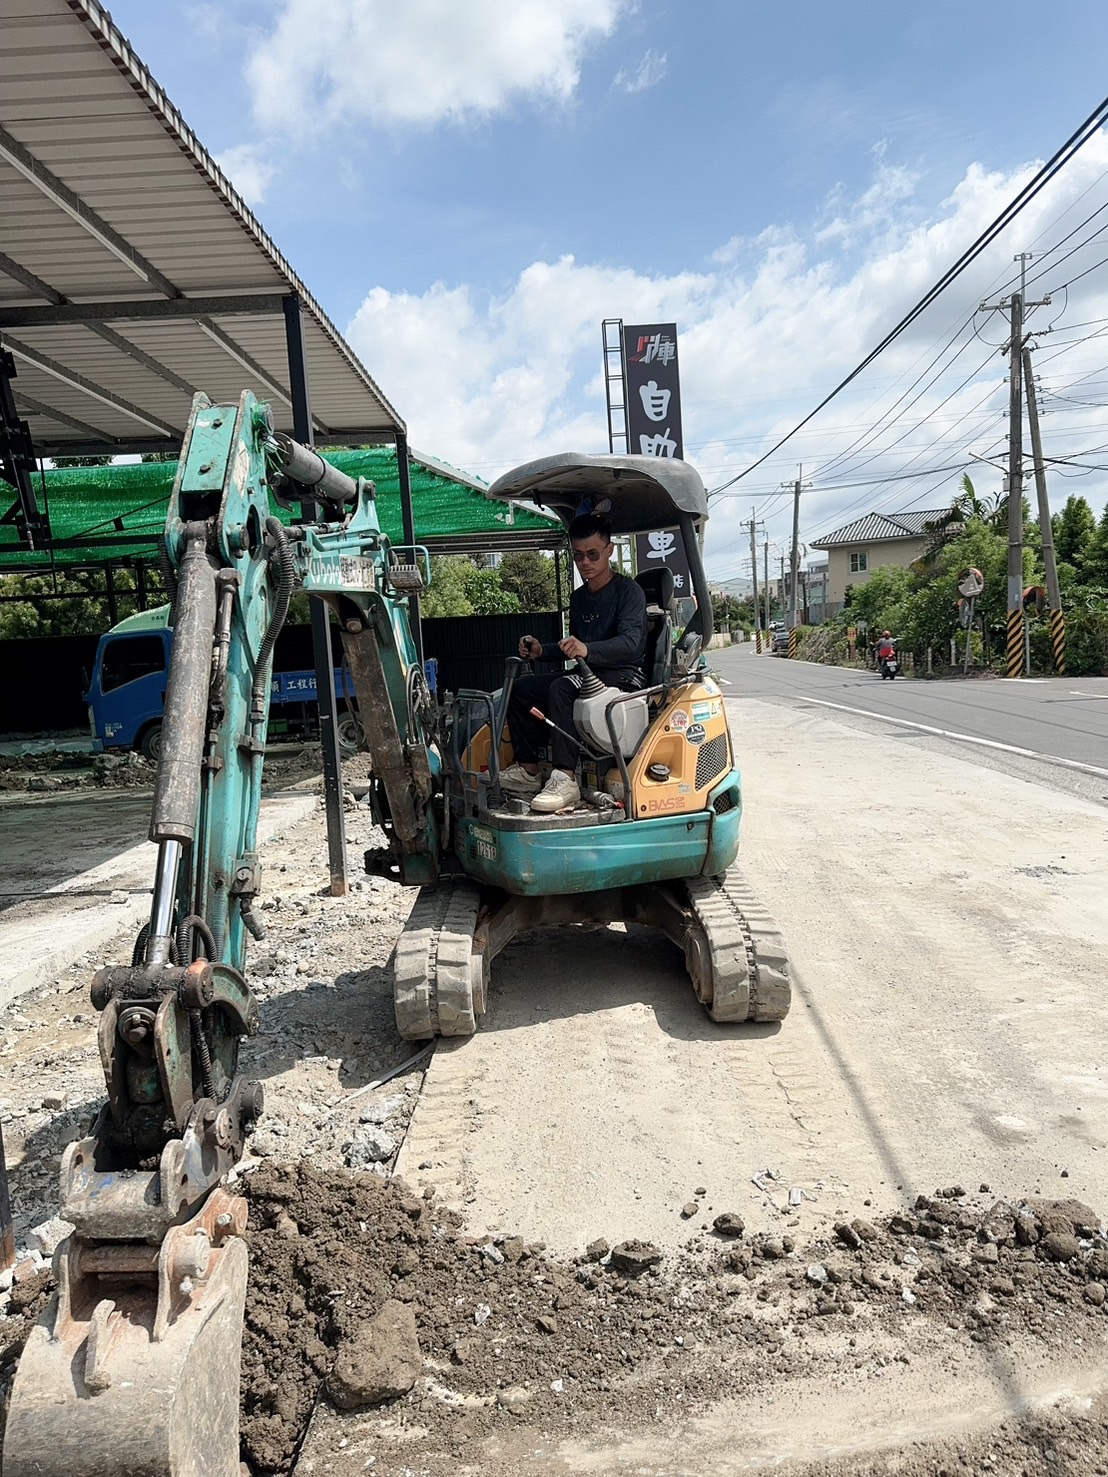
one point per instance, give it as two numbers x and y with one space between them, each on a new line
131 272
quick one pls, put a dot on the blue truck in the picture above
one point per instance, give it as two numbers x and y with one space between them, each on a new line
126 693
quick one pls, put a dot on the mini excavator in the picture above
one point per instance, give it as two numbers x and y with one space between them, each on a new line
134 1367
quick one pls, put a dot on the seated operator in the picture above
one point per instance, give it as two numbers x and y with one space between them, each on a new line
607 622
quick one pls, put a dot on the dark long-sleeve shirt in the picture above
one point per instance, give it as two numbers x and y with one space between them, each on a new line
612 624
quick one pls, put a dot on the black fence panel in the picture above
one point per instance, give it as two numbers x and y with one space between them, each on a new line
45 678
471 649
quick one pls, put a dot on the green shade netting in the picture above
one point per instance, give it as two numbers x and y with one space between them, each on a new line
92 504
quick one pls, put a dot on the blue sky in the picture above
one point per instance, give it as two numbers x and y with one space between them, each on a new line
469 188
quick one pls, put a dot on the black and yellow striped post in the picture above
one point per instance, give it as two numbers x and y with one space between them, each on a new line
792 644
1058 641
1013 662
757 640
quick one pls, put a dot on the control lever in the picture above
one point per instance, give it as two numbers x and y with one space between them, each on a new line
599 799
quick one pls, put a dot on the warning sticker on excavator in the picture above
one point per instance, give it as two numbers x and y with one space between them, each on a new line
703 711
679 720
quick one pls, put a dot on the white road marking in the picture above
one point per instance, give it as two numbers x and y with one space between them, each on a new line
964 738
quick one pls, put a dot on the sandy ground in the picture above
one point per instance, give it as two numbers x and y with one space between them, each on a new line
947 928
947 925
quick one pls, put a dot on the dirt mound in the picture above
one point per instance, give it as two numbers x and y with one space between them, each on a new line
53 771
507 1333
505 1330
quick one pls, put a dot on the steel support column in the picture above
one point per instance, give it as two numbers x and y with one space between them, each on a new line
404 473
7 1228
321 630
17 457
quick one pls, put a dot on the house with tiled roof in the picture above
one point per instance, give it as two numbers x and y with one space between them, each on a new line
873 542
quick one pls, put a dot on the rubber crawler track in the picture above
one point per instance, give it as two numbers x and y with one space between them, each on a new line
750 964
433 965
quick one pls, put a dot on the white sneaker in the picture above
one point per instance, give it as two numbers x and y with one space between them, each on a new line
518 781
560 790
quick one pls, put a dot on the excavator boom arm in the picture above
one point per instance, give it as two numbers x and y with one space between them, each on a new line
146 1328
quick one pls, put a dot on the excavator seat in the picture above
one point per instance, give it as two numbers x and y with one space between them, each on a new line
657 585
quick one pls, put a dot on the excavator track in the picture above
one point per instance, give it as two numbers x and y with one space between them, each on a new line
440 981
736 957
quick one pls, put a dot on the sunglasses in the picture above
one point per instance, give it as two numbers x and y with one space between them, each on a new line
590 556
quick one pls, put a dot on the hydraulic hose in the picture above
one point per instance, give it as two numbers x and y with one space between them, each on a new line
286 583
185 929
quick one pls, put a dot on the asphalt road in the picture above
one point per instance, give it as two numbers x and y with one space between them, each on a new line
1052 729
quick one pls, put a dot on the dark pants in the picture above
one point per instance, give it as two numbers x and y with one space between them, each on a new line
554 695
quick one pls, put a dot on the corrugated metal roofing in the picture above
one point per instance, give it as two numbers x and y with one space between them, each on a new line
111 206
875 527
119 512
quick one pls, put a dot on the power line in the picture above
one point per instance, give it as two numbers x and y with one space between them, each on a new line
1076 141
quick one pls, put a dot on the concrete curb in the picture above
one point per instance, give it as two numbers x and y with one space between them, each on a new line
35 952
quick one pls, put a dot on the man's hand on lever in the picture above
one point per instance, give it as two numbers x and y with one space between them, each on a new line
530 646
571 647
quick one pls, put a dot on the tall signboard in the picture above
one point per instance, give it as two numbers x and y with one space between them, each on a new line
653 391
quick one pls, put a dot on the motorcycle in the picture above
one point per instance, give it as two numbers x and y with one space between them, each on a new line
888 667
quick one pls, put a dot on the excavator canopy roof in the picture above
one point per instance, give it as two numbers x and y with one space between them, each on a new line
645 492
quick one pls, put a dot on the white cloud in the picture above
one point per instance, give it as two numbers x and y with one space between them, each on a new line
765 331
248 169
326 62
650 71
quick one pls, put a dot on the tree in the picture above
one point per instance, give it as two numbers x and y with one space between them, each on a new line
874 603
447 595
460 587
530 576
487 596
1094 562
1074 528
730 611
34 614
965 508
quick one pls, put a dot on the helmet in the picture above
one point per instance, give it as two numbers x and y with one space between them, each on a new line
887 633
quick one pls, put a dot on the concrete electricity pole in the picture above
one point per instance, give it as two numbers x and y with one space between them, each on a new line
1050 567
765 580
796 488
1014 646
754 570
1013 661
794 559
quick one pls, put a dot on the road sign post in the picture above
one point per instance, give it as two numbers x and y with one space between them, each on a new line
971 582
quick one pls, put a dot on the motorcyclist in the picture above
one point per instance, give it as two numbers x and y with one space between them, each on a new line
886 648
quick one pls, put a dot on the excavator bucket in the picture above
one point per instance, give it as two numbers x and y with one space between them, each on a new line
134 1367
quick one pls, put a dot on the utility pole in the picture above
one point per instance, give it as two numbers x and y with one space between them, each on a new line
796 488
1050 567
1013 662
794 561
765 581
754 569
1014 642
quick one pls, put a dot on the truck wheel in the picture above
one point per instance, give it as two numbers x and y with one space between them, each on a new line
351 733
150 744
